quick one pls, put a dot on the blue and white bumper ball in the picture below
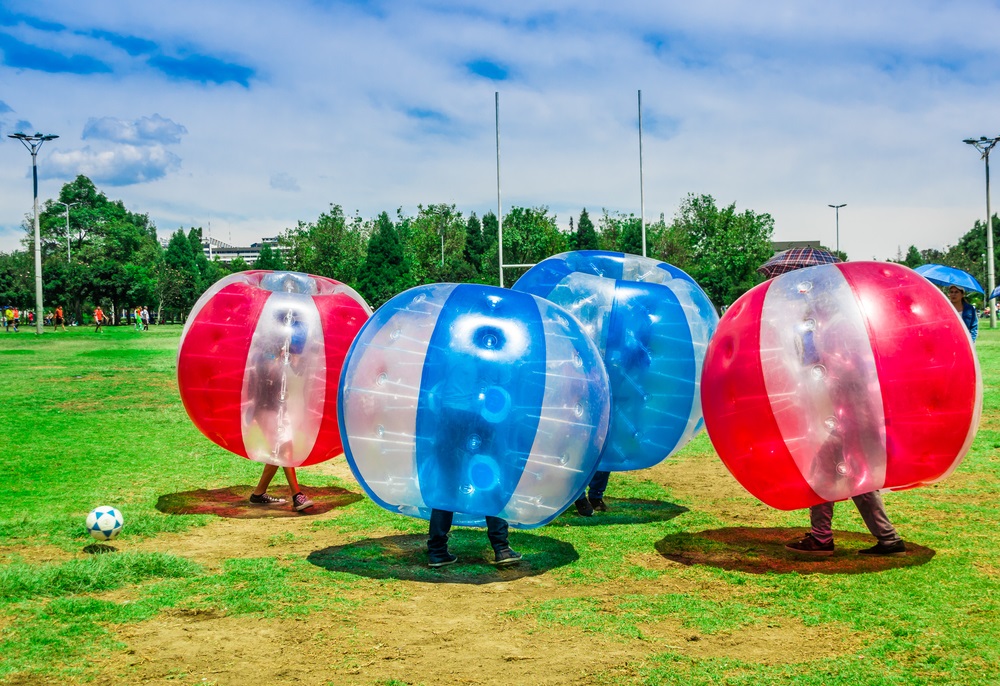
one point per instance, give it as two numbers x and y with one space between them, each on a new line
475 400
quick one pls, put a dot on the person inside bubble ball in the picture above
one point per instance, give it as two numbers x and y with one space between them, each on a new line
459 393
956 295
852 433
267 388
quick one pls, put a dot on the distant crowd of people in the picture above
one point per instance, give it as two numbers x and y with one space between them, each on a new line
12 318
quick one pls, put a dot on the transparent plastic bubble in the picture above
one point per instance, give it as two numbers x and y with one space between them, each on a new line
263 386
826 383
485 400
652 324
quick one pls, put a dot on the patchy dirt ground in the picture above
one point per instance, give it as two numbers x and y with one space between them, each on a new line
460 633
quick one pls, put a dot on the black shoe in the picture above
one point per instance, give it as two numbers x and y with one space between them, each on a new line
810 546
438 561
584 507
265 499
506 557
880 548
598 504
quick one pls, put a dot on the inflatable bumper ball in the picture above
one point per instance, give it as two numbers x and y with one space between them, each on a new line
475 400
259 362
841 379
651 323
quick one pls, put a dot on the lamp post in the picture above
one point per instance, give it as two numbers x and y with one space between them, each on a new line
984 145
837 210
33 143
67 205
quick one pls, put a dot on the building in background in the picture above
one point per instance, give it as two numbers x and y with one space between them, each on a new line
214 248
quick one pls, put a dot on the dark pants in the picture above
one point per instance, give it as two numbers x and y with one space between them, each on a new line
437 544
599 484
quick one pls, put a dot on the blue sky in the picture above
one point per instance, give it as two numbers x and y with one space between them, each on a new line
251 116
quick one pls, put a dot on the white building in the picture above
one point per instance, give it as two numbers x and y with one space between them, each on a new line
214 248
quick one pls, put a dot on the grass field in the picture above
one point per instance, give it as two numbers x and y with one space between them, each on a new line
685 581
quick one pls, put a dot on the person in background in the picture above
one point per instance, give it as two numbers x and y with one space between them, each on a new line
965 310
98 319
59 321
145 318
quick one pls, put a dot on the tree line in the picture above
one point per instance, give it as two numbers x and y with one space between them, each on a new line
105 254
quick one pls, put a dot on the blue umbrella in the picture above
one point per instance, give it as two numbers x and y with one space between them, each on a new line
941 275
995 293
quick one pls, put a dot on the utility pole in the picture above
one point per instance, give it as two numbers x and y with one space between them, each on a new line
837 208
33 143
984 145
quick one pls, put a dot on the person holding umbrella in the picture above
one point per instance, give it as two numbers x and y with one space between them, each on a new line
956 283
956 294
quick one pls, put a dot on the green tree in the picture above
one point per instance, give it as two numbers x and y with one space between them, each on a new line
179 274
621 233
332 246
529 236
17 278
436 244
913 258
490 271
725 247
385 272
268 258
113 249
475 247
585 237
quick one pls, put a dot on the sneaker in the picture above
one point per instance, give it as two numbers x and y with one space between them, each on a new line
584 507
448 559
506 557
880 548
301 501
265 499
598 504
811 546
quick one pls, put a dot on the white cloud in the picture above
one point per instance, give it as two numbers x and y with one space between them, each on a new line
142 131
119 166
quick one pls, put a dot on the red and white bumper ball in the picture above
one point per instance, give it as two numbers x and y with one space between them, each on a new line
841 379
260 360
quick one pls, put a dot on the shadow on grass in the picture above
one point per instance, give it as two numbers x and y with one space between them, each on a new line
233 502
99 549
405 557
758 551
623 511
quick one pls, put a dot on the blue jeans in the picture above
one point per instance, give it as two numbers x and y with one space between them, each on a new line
437 544
599 484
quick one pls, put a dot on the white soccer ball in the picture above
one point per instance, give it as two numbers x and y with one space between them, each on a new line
104 523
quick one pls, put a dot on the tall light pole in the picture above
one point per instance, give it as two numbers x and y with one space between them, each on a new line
33 143
837 209
67 205
984 145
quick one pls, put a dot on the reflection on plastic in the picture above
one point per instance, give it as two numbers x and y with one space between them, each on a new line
652 324
838 380
476 400
259 362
